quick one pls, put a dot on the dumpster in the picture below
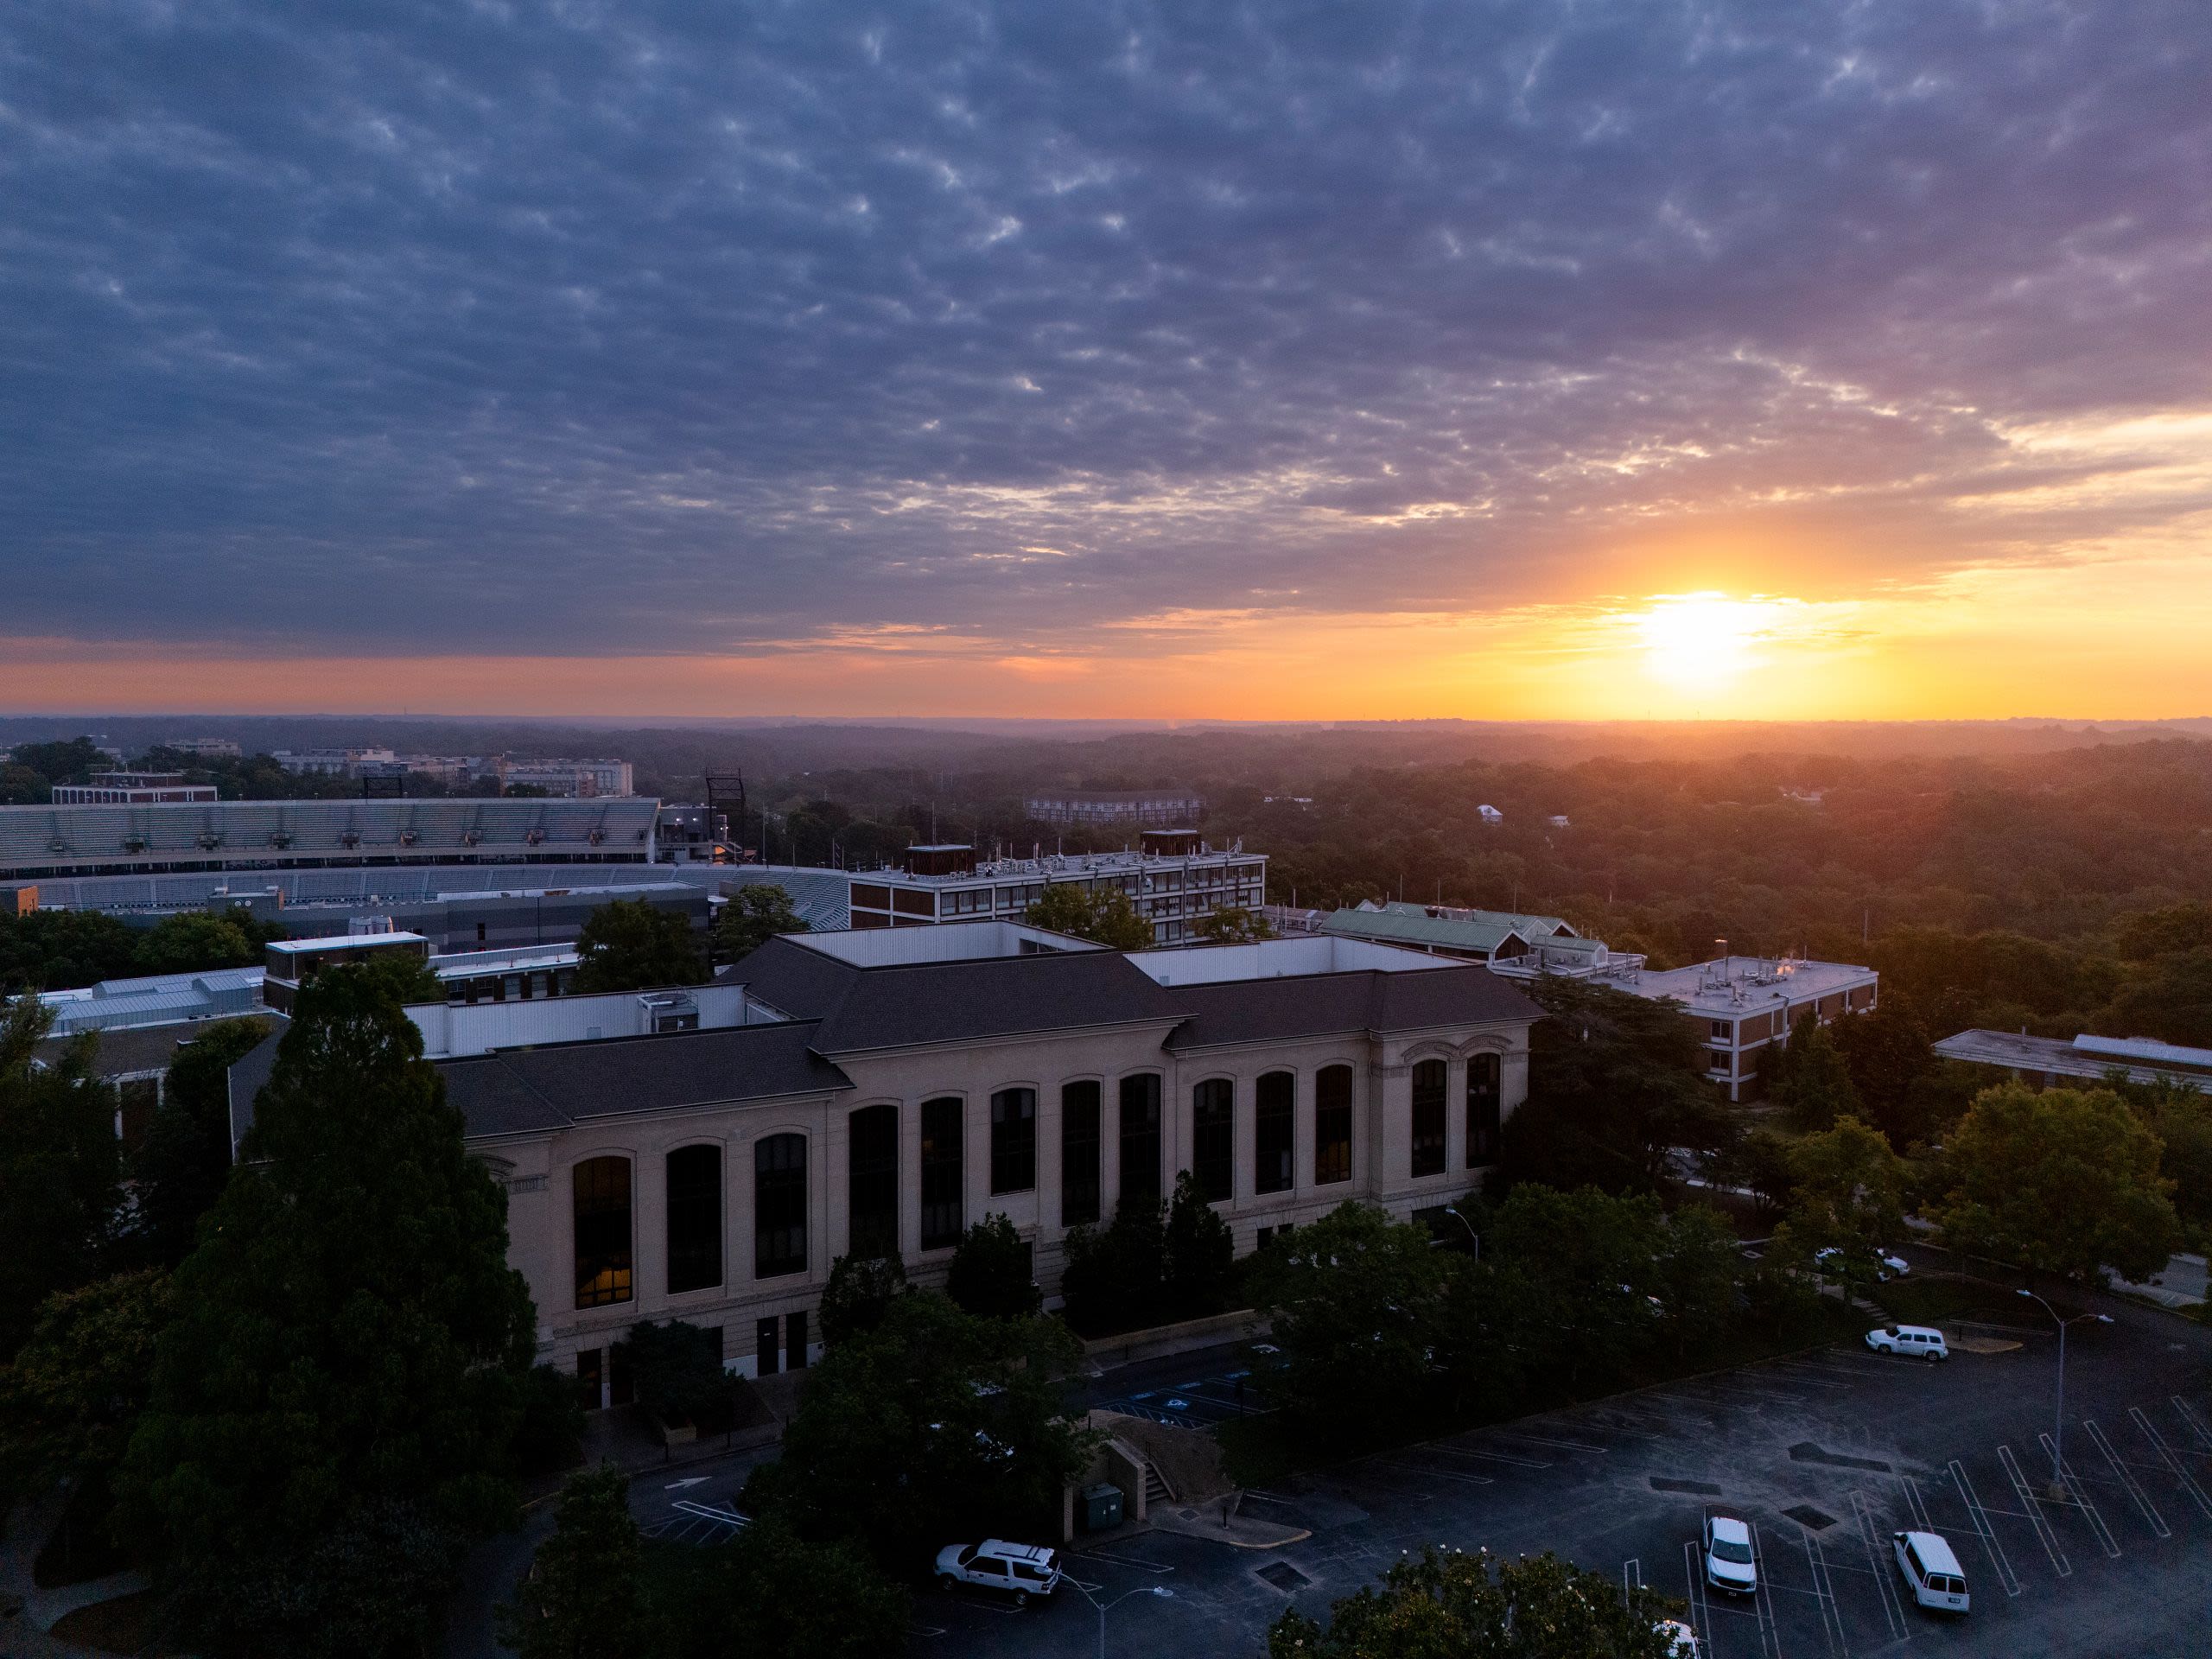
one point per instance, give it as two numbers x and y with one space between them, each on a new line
1102 1507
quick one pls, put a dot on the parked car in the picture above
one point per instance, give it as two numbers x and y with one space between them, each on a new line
1684 1639
1886 1267
1729 1563
1021 1570
1919 1341
1932 1569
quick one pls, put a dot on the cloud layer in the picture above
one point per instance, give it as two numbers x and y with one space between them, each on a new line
619 328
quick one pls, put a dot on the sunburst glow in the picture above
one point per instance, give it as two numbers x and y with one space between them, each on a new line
1696 638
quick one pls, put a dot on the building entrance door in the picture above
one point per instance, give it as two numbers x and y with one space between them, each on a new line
769 1362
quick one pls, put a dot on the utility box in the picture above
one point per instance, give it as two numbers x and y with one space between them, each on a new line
1102 1507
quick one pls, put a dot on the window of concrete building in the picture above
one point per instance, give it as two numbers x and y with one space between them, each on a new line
944 1211
779 1206
1140 1138
1273 1108
872 1181
1014 1141
1079 1154
1430 1081
1332 1125
1485 1080
695 1218
1213 1139
600 1195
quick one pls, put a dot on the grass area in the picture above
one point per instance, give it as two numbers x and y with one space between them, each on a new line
1932 1300
1260 1450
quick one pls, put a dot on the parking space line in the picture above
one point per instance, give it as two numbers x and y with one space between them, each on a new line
2158 1522
2196 1423
1763 1598
1457 1451
1121 1560
1990 1543
1542 1439
1824 1587
1915 1504
1463 1479
2044 1535
1892 1610
1701 1604
2081 1496
2188 1481
1631 1578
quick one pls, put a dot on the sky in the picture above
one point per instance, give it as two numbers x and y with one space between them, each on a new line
1543 360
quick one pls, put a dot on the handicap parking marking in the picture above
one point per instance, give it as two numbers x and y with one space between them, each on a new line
2149 1511
2034 1513
2195 1424
1869 1535
2186 1481
2080 1497
1992 1546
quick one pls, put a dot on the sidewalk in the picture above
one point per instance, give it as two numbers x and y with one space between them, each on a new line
27 1633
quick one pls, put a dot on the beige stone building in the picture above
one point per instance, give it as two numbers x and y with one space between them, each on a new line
891 1088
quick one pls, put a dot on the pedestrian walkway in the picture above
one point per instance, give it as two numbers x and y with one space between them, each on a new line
27 1631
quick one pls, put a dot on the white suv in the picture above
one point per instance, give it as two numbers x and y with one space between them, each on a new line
1729 1562
1022 1570
1920 1341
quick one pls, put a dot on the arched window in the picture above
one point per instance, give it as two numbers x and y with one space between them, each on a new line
1430 1081
1079 1154
779 1206
1139 1133
1484 1074
1272 1108
695 1218
1332 1125
600 1190
1213 1139
872 1181
1014 1141
943 1204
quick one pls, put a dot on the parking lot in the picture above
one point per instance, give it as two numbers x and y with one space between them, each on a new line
1825 1454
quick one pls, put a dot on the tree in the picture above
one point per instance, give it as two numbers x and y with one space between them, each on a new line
1234 924
1107 917
57 949
337 1393
1357 1304
69 762
58 1168
1696 1276
1112 1277
678 1370
2066 1181
74 1389
769 1594
1893 1072
1586 1261
631 944
756 912
860 1293
2181 1117
990 1273
1849 1198
1807 1078
20 786
198 941
583 1598
1196 1252
1448 1603
1759 1163
935 1424
179 1171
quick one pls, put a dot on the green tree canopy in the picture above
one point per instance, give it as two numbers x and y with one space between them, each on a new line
2181 1117
1196 1252
71 761
1113 1276
1107 917
584 1598
678 1370
1233 924
936 1425
337 1393
69 1399
179 1171
1449 1604
990 1273
860 1293
1849 1196
631 944
1808 1076
769 1594
58 1168
756 912
2066 1181
1583 1265
198 941
59 950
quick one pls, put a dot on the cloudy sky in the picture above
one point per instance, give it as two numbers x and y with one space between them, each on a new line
1502 358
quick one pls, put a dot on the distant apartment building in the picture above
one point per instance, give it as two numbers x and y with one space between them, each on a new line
569 779
132 789
332 763
1174 879
1147 808
210 748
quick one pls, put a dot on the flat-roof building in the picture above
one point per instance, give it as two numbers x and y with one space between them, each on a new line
2050 1062
1151 809
132 789
1740 1004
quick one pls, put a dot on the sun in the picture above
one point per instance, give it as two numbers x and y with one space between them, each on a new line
1701 638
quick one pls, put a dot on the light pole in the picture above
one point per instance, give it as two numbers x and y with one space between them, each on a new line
1143 1590
1452 1210
2058 1421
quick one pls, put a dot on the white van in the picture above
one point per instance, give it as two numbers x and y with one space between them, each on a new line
1932 1570
1921 1341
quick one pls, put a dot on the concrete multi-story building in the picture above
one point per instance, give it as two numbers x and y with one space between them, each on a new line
1742 1005
332 763
878 1092
570 779
1148 808
1175 880
132 789
212 748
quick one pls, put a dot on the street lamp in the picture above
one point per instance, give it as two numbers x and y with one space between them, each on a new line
1452 1210
1143 1590
2058 1422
